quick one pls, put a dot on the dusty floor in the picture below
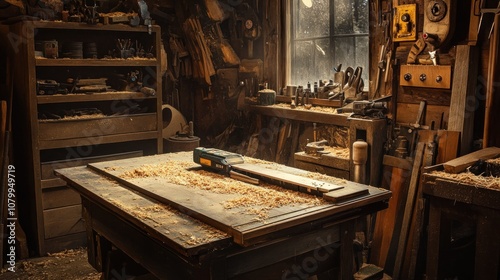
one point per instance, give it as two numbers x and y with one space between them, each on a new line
70 265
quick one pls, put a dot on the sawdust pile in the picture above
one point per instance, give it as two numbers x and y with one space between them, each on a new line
162 214
339 152
259 199
495 161
322 109
471 179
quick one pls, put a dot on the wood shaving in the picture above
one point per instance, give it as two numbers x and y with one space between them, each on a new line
162 214
470 179
322 109
493 161
263 197
338 152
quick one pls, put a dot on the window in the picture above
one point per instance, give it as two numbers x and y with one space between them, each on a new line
326 33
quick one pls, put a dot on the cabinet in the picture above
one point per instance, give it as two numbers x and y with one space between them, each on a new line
62 118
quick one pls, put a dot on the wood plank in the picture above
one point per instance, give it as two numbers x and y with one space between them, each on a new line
60 197
345 194
459 164
48 167
407 113
208 206
95 62
431 96
302 115
448 145
338 173
96 127
131 206
463 99
324 159
63 221
396 179
408 210
70 241
106 139
68 98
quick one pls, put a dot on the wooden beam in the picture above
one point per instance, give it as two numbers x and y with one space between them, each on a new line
463 100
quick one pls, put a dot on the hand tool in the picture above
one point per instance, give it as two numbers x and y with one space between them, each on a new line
222 161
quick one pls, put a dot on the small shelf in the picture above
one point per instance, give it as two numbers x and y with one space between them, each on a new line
302 115
97 140
94 27
90 62
97 96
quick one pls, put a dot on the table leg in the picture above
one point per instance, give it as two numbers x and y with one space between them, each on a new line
487 257
347 234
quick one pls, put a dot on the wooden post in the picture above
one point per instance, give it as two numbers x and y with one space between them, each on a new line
490 84
463 100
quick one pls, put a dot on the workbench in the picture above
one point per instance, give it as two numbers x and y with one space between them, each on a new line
198 236
452 203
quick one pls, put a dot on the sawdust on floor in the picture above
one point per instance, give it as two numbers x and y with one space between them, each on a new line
68 265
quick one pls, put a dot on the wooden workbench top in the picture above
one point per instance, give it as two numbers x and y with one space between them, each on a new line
236 211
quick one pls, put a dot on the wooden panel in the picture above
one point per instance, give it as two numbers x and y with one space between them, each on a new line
431 73
339 173
118 138
431 96
463 99
71 241
67 98
95 62
407 113
325 160
47 168
63 221
52 183
59 197
66 129
302 115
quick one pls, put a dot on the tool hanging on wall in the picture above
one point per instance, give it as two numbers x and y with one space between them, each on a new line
405 23
439 21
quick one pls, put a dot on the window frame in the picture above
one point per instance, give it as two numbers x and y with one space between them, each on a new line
290 25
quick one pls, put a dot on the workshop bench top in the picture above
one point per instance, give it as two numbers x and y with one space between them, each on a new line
193 210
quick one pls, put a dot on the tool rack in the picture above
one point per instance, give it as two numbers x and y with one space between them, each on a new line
52 211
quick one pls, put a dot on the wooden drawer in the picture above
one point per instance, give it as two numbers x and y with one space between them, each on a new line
59 197
83 128
63 221
47 168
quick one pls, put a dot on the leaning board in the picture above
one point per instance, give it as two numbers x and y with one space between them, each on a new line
248 223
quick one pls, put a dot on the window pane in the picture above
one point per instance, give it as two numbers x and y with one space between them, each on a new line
312 62
350 16
343 17
362 57
344 52
361 17
323 61
313 21
303 64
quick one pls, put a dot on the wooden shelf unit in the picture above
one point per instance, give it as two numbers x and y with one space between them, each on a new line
131 123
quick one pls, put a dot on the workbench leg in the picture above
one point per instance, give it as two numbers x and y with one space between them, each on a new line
347 235
487 257
434 228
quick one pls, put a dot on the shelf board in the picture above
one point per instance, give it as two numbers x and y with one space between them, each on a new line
90 62
86 97
107 139
302 115
96 27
